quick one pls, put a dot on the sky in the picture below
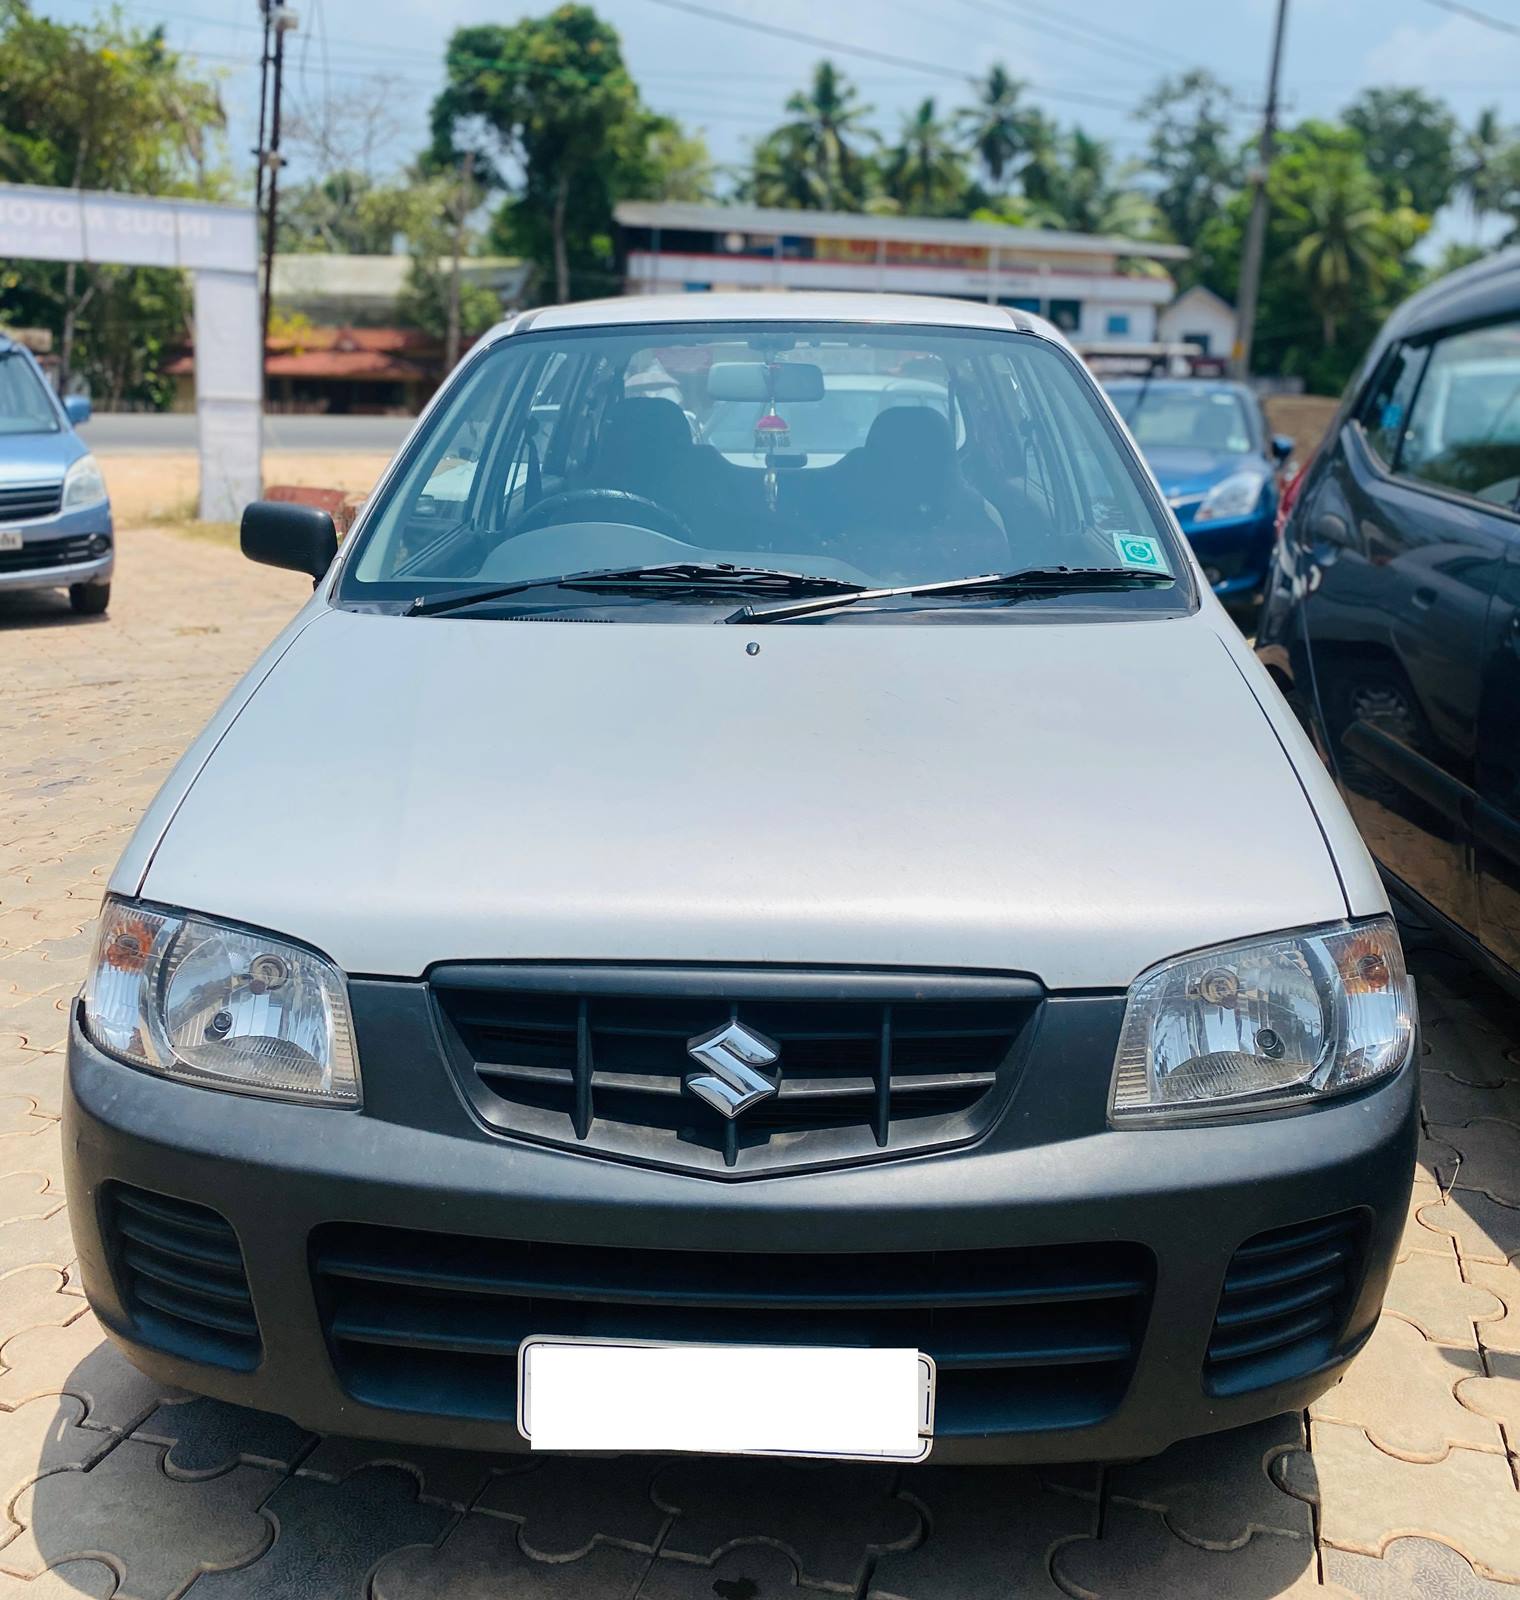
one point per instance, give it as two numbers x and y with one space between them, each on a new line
1089 61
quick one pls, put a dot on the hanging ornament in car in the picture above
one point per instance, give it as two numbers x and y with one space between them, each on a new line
772 434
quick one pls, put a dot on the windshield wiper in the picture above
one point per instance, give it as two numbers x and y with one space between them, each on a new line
670 575
1026 581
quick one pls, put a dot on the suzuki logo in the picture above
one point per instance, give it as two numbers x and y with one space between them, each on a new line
733 1056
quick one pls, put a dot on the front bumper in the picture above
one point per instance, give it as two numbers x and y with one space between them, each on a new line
61 551
1238 550
298 1184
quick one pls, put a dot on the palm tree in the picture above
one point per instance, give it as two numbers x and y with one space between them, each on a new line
1091 195
925 171
1347 246
1478 165
997 126
823 139
1039 174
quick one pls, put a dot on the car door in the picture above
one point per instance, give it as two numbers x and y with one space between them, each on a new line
1402 567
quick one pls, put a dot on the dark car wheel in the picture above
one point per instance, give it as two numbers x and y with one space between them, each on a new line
90 599
1379 696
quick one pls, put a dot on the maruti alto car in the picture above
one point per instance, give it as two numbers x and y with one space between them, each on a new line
728 950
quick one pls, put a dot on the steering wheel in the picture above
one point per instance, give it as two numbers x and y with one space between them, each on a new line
612 505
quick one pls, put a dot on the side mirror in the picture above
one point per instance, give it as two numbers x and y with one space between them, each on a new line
1282 448
281 533
78 409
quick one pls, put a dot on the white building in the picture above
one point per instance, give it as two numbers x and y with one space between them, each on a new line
1078 280
1199 317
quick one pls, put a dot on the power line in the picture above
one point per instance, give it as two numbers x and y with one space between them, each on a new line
1075 33
1457 9
866 53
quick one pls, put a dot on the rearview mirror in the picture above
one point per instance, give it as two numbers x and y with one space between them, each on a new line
754 380
280 533
77 409
1282 447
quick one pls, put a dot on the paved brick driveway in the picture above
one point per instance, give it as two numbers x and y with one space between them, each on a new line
1403 1485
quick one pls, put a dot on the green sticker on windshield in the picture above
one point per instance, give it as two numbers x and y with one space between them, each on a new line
1135 550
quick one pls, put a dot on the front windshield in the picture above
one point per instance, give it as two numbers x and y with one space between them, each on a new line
1194 419
24 403
866 454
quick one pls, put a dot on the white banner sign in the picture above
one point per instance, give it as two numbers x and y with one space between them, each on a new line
125 230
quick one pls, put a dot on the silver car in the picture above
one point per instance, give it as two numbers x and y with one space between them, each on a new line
835 953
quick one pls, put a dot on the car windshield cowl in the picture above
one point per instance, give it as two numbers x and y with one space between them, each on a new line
1010 585
666 577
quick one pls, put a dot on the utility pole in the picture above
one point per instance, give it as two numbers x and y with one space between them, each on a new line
265 7
281 20
1256 228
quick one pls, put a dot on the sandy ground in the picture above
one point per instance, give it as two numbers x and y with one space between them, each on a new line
162 487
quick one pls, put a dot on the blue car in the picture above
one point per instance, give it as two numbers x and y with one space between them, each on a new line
55 517
1208 444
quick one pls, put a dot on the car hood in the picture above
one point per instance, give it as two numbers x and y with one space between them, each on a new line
1184 473
38 457
1070 800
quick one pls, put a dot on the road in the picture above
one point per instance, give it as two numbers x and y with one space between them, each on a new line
174 432
1399 1484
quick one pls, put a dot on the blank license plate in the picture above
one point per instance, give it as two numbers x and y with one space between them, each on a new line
10 539
770 1400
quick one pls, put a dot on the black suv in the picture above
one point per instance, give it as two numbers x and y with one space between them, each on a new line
1393 607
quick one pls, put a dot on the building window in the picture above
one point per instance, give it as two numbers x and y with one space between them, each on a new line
1066 314
1202 340
1117 324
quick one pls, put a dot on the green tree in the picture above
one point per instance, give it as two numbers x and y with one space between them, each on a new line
345 212
1409 141
997 126
1090 194
1481 163
1190 154
819 159
549 110
106 106
925 172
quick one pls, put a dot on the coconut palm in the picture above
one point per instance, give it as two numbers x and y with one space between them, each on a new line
925 171
997 126
824 144
1091 195
1347 246
1479 165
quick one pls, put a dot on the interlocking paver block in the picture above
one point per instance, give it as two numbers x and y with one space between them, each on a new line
990 1532
69 1580
36 1241
1400 1391
36 1074
328 1538
33 1297
1437 1160
26 1196
1504 1283
1216 1491
566 1505
752 1572
1428 1290
1497 1396
204 1437
1483 1229
480 1560
1490 1161
18 1113
44 1435
444 1477
1445 1099
829 1519
1412 1569
1467 1048
1139 1558
159 1532
77 1360
1420 1237
1367 1497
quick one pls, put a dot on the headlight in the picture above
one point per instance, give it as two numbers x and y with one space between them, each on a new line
1235 496
218 1005
83 485
1267 1023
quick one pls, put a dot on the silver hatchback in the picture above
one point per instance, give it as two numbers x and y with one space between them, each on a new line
822 942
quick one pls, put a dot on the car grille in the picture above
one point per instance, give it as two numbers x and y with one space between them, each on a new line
597 1059
1286 1298
28 502
39 553
1025 1339
179 1271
